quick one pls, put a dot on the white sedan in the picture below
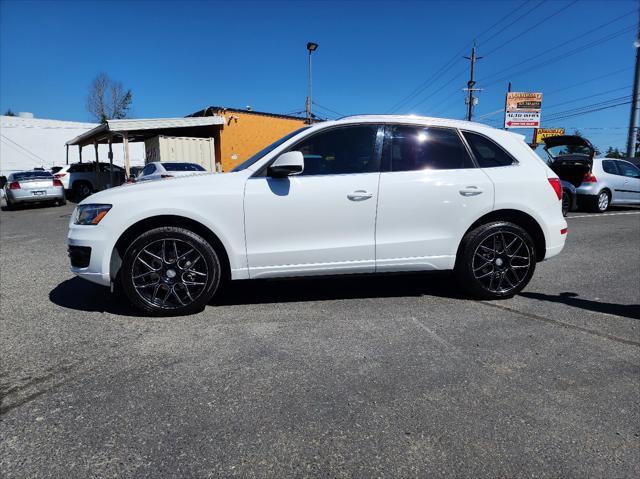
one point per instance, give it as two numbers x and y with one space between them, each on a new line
157 170
363 194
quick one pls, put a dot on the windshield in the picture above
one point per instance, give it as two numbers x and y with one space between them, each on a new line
30 175
566 150
182 167
250 161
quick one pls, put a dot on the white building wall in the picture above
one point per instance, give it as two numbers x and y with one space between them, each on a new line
26 143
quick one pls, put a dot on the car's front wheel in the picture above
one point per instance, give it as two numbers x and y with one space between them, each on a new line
496 260
170 271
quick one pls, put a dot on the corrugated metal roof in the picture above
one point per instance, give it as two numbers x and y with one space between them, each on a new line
123 126
19 122
202 113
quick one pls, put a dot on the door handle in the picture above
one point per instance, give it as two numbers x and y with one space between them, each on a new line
470 191
359 195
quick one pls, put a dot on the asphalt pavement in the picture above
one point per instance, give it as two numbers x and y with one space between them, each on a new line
359 376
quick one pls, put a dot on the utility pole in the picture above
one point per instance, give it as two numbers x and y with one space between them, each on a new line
312 47
471 99
505 104
635 100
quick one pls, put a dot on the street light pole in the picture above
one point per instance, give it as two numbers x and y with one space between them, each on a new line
635 100
311 47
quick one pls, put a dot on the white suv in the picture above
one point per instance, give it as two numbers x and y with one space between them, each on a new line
359 195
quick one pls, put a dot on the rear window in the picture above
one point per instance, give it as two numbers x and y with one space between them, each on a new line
182 167
30 175
488 154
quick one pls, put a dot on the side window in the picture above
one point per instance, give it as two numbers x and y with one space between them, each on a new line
340 151
149 169
488 154
627 169
609 166
413 148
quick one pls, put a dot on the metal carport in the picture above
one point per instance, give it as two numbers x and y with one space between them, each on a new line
125 131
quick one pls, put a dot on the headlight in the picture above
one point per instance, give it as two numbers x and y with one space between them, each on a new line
90 214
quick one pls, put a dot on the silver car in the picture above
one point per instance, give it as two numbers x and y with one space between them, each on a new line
599 182
33 187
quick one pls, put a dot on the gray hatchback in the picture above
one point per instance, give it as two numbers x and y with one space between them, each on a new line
599 182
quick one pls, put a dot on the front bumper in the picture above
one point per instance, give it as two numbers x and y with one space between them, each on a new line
97 270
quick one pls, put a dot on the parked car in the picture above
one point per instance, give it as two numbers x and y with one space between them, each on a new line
33 187
362 194
157 170
599 182
569 197
83 179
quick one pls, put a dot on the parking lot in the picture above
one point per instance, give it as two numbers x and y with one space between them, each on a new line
393 375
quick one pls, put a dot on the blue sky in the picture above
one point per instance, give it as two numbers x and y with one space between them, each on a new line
178 57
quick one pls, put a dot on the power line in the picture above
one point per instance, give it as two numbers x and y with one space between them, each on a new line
600 77
514 21
563 56
600 103
580 113
587 97
448 65
329 109
566 42
535 25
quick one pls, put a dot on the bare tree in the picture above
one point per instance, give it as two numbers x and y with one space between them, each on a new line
108 99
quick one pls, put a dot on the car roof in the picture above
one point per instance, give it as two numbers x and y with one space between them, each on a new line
417 120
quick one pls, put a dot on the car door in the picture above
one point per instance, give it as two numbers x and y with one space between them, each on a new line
611 178
430 192
630 174
322 220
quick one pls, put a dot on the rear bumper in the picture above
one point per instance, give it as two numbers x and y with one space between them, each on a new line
553 224
27 196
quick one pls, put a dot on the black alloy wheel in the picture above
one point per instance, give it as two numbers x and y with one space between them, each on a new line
170 271
566 203
497 260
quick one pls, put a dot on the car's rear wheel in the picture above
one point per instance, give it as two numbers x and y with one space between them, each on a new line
496 260
170 271
566 203
82 189
600 202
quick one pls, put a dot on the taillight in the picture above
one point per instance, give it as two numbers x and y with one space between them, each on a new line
589 178
557 187
59 175
14 185
57 182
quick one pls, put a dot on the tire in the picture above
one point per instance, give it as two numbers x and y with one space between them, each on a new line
600 202
62 202
82 189
170 271
486 269
9 204
566 203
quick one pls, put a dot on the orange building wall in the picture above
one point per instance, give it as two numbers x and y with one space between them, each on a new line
246 133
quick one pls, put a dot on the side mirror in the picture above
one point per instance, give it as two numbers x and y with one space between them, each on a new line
287 164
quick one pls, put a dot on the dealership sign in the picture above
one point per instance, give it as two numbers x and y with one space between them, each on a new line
522 110
542 133
522 119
